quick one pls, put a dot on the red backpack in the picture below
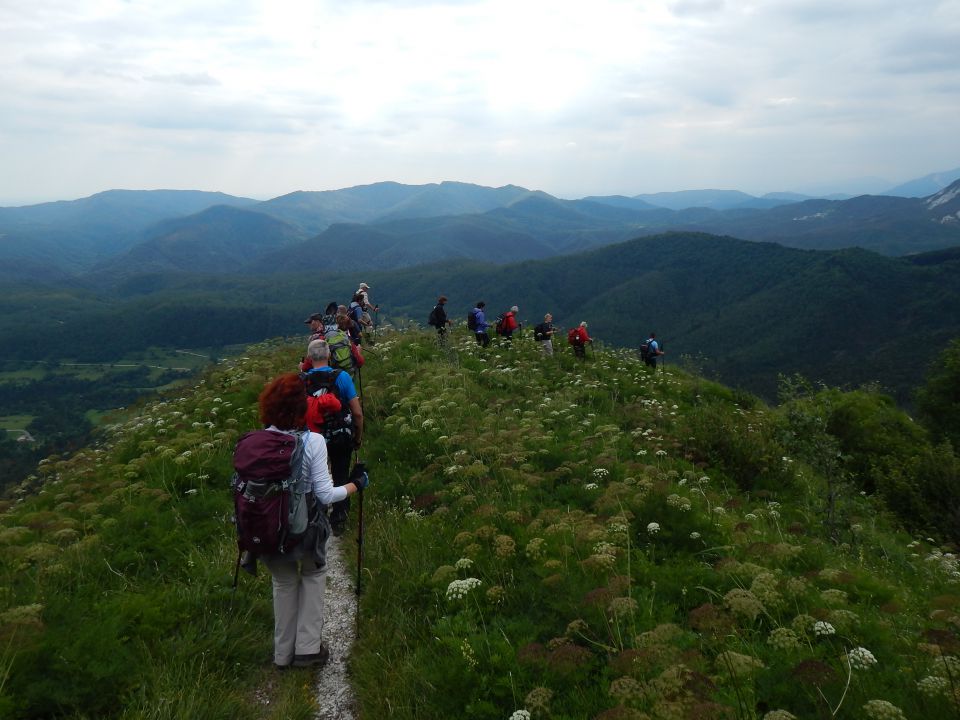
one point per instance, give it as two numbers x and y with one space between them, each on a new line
269 491
573 336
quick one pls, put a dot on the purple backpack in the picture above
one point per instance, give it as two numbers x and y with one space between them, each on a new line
269 491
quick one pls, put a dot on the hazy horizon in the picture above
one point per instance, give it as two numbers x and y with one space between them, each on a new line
258 100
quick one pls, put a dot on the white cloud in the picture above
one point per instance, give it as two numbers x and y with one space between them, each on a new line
261 98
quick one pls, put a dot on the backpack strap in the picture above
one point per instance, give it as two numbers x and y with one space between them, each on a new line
297 482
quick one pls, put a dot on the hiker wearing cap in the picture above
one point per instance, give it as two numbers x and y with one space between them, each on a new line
317 329
578 339
438 319
317 332
543 333
299 576
364 299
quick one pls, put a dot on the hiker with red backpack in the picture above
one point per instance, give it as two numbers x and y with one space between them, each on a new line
343 429
507 324
578 339
281 486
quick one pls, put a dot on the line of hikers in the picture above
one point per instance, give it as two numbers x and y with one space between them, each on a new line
292 481
506 325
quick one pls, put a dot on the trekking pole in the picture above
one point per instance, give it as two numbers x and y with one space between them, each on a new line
236 578
360 387
359 586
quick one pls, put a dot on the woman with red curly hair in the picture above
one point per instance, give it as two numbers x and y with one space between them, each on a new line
299 578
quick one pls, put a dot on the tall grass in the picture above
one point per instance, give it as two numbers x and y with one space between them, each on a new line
545 538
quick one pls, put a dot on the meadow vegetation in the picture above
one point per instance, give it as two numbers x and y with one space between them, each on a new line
545 539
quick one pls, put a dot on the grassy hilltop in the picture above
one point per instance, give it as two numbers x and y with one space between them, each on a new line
544 537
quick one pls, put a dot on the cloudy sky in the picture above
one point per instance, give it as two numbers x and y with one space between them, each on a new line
574 98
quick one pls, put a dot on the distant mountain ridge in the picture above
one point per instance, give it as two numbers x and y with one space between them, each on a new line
394 225
927 185
68 235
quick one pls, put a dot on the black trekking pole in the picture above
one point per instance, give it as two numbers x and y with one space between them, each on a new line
359 469
360 387
236 579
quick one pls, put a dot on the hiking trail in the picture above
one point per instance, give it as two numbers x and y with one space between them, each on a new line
335 698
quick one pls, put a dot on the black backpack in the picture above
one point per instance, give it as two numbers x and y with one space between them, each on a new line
645 350
434 318
472 319
540 331
337 426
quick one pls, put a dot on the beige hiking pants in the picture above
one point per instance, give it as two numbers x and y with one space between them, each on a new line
297 608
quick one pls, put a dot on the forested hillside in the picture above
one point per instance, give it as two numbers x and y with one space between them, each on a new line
544 536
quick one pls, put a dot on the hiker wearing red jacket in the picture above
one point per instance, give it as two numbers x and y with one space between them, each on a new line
578 338
509 323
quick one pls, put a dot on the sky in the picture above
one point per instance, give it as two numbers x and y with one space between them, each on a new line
578 98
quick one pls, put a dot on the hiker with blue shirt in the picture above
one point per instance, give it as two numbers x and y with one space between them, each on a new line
650 350
343 440
481 324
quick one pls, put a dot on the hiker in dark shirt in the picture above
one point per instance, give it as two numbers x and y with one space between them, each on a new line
438 318
543 333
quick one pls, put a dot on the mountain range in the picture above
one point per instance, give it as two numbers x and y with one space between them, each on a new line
119 233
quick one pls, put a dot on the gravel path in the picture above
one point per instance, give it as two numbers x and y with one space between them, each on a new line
335 699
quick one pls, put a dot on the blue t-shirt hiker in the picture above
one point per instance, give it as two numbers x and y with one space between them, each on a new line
650 350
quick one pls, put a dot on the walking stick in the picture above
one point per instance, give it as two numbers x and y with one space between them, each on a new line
359 468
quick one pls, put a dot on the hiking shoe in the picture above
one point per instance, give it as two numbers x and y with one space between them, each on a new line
313 660
338 528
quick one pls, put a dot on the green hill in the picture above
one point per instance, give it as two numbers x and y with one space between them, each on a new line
570 540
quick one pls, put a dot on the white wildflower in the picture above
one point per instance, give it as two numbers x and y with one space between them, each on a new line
458 589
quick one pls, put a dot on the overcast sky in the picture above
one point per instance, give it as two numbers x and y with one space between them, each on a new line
574 98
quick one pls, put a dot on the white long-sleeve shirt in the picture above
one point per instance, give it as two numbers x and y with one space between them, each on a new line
315 464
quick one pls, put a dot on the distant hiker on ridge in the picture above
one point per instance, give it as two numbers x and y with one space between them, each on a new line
650 351
438 319
356 313
477 322
364 298
578 339
543 333
509 324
